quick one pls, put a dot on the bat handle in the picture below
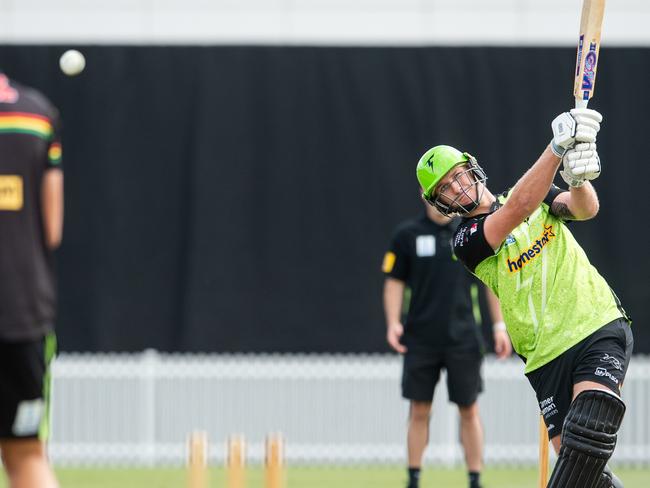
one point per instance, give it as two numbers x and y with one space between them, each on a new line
580 103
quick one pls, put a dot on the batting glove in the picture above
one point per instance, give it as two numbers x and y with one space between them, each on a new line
587 124
579 125
581 163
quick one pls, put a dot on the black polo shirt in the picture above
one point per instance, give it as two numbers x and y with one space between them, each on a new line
29 146
441 308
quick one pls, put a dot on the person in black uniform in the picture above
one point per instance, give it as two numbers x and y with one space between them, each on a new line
441 331
31 223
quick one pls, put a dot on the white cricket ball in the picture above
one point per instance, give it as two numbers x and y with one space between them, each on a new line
72 62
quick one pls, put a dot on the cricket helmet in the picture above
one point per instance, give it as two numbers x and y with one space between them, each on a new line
435 164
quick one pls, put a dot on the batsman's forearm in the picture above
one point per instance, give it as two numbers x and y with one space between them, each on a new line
584 203
532 188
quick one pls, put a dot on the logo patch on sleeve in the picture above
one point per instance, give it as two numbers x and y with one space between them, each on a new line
389 262
11 192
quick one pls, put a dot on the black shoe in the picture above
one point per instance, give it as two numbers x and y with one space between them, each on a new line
475 483
414 478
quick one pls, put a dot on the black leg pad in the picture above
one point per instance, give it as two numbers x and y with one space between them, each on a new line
588 439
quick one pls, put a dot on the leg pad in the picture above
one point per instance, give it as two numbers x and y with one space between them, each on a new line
588 440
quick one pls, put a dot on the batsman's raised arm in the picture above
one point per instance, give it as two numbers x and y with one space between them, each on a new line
454 183
581 163
526 196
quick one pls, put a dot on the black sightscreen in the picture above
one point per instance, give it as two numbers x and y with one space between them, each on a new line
241 198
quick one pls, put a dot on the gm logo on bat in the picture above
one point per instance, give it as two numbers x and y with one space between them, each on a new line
589 73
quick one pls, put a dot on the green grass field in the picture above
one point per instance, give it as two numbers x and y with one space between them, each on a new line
367 477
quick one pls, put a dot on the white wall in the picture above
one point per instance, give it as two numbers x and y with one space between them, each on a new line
347 22
137 409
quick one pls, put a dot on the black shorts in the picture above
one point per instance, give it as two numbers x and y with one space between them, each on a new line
25 387
422 371
603 357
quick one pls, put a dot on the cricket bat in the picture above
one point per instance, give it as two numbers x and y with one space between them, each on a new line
591 22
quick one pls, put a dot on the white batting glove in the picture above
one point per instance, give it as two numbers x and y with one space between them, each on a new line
587 124
579 125
581 163
564 131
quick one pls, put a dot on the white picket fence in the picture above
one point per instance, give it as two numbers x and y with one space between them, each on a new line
138 409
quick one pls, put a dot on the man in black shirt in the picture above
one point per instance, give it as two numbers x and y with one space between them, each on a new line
441 332
31 223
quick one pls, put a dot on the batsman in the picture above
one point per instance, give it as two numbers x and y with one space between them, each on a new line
564 320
